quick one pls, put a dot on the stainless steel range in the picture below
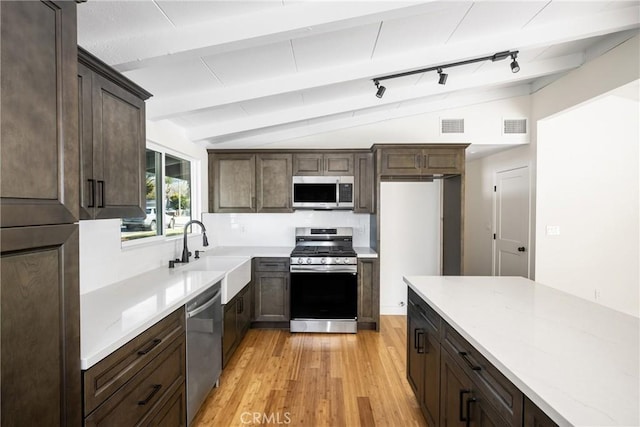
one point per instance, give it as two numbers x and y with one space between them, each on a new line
324 281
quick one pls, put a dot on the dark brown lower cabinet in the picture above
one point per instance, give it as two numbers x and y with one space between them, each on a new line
271 292
236 322
461 403
368 293
423 363
40 326
534 417
143 382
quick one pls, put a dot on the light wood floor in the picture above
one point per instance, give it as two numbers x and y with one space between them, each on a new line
279 378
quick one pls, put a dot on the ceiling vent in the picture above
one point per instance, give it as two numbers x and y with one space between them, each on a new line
514 126
448 126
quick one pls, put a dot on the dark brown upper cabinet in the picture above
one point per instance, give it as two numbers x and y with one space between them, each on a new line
339 164
364 183
38 123
112 141
420 162
244 182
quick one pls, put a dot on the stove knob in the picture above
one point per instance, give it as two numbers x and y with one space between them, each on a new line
338 260
308 260
323 261
300 260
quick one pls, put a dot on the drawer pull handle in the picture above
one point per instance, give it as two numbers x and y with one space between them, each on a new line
153 344
461 406
271 265
464 355
469 402
156 389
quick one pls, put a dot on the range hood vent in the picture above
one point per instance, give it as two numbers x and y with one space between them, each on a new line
448 126
514 126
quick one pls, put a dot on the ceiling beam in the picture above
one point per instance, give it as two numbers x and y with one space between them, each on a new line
399 94
529 38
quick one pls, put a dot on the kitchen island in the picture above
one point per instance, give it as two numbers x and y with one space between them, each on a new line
575 360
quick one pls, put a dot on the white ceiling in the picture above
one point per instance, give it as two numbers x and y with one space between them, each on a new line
236 73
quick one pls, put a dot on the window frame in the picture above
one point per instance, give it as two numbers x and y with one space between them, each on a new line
196 204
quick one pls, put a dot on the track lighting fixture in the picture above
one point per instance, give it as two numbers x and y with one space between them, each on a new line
381 89
515 67
442 76
442 79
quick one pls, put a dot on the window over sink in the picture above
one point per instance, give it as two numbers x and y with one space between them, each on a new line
168 198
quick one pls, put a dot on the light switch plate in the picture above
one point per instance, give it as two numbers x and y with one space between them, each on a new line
553 230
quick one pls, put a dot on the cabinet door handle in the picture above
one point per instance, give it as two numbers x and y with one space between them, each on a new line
421 348
101 184
156 389
464 355
92 189
461 405
153 344
469 402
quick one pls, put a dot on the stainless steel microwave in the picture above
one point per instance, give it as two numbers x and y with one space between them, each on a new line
322 192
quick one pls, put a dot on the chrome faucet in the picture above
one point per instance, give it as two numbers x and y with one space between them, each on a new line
185 250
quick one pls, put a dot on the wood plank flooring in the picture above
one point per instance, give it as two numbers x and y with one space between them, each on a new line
279 378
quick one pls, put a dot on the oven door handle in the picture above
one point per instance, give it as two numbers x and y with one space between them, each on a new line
318 269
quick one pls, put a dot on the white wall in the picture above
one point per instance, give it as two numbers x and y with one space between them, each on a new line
279 229
589 186
483 125
479 216
103 260
410 238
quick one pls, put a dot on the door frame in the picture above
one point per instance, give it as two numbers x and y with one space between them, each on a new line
529 244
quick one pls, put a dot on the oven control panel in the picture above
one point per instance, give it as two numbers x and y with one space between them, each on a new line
324 260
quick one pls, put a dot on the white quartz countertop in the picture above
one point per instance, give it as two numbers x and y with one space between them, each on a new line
576 360
364 252
113 315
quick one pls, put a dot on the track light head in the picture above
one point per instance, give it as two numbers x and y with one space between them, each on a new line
442 77
515 67
381 89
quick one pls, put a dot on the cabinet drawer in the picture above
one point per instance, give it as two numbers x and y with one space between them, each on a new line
431 319
272 264
505 397
111 373
145 392
172 412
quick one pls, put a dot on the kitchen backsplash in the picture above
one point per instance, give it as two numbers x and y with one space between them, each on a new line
279 229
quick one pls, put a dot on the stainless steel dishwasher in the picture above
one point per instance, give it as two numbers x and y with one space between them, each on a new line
204 347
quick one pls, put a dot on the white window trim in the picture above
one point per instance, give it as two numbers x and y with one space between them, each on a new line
196 202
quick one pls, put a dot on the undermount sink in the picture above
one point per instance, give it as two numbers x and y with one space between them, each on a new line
238 272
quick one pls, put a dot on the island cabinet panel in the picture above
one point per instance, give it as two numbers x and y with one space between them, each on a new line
368 293
112 137
453 383
39 120
242 182
323 163
271 292
535 417
364 183
142 380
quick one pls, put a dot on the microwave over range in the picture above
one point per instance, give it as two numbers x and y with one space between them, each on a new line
322 192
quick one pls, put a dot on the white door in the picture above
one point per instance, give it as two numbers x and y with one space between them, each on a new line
511 238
